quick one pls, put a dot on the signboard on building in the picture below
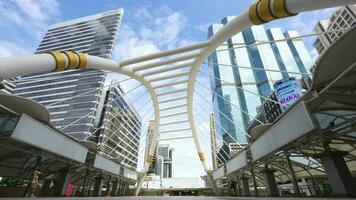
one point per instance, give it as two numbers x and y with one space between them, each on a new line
288 91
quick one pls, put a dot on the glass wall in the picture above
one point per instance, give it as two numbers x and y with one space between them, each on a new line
243 71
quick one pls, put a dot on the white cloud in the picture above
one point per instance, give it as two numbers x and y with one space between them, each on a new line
306 26
159 30
131 45
31 15
8 49
142 13
203 27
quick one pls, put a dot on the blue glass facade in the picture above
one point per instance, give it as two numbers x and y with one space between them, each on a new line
239 81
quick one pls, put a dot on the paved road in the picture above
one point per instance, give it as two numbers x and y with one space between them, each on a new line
179 198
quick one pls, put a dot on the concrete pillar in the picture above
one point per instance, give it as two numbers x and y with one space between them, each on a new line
270 182
245 187
60 182
114 187
294 178
98 186
339 175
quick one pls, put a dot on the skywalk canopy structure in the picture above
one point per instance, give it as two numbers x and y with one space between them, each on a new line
170 76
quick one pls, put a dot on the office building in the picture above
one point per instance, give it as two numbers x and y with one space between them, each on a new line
74 98
165 161
342 20
121 127
239 80
237 147
149 137
8 86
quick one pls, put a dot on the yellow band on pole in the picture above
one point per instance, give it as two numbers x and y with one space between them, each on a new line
253 14
201 156
265 12
73 59
280 9
149 158
61 63
82 60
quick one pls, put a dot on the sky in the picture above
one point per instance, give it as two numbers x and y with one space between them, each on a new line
147 26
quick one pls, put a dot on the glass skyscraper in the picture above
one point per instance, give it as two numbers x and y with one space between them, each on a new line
238 80
93 35
120 136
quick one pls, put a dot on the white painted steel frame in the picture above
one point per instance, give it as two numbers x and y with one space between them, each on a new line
12 67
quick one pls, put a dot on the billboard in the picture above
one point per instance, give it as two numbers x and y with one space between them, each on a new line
288 91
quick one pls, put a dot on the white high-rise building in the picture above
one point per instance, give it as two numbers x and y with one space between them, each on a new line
153 167
165 161
78 116
342 19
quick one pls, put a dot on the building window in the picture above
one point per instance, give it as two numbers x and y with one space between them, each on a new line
344 13
349 21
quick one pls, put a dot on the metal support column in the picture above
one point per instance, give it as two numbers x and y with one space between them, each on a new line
239 191
245 186
98 186
339 175
254 182
114 187
270 182
108 188
126 186
294 179
85 183
61 181
119 192
213 183
229 184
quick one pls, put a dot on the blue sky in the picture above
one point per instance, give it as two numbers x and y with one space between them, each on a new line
147 26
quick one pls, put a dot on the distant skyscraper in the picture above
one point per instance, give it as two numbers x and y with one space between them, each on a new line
93 35
165 167
213 141
343 18
120 136
149 137
238 78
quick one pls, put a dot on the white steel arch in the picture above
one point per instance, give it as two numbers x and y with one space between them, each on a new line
168 67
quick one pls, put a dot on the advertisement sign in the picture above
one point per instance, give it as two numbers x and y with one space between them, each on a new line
288 91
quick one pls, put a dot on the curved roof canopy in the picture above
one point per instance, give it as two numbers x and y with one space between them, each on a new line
27 106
